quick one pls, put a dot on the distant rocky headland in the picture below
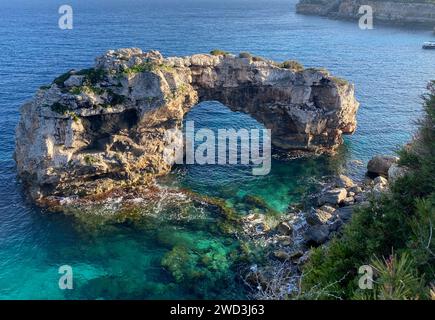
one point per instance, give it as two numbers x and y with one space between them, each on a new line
97 130
400 12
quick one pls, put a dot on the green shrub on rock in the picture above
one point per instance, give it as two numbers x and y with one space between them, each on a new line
92 75
292 65
62 78
218 52
59 108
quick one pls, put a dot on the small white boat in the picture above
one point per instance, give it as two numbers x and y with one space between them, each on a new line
429 45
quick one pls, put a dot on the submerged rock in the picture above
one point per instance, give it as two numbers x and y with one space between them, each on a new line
108 127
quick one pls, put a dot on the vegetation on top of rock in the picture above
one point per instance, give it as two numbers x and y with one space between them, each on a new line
392 234
339 81
292 65
63 110
143 67
59 108
148 66
86 89
218 52
90 160
115 98
247 55
62 78
92 75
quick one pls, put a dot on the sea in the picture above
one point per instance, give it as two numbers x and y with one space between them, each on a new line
173 249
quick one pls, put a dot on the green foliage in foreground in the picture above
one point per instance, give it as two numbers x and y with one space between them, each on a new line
394 234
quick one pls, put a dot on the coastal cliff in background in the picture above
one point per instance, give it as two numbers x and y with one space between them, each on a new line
106 128
420 12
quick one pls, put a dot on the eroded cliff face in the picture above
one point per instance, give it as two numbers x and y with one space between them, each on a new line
395 12
106 128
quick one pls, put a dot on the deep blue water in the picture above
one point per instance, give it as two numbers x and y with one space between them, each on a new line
387 65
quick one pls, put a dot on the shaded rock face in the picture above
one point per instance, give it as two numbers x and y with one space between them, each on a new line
99 129
379 165
417 12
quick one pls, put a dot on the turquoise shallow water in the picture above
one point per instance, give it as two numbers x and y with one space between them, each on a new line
112 261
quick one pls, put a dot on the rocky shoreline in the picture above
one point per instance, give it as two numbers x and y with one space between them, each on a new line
388 12
289 243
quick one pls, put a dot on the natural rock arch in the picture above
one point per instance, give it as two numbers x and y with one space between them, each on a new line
103 128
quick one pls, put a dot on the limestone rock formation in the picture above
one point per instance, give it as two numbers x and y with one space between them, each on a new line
106 128
395 12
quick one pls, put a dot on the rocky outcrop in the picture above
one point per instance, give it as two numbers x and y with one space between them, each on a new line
395 12
99 129
315 227
289 248
396 172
